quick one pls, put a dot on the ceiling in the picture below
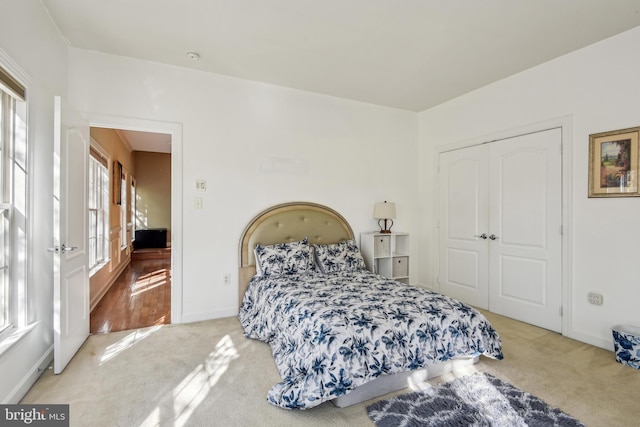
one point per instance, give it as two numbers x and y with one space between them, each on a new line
146 141
407 54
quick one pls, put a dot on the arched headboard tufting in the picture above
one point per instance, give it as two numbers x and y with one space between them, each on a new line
288 222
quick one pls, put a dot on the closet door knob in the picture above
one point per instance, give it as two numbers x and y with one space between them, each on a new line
493 237
482 236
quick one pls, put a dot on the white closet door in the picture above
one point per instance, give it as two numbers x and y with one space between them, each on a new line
500 227
525 193
463 215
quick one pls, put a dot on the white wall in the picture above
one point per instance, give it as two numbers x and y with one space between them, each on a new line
256 145
32 43
599 89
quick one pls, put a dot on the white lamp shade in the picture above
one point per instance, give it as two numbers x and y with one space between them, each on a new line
384 210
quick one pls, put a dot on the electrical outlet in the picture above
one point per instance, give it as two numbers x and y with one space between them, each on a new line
226 279
595 299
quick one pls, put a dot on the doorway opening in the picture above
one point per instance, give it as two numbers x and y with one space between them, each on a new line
131 285
140 297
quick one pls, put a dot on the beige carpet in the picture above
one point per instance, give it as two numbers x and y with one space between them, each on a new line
208 374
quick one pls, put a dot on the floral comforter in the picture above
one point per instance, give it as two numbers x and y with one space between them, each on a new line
331 333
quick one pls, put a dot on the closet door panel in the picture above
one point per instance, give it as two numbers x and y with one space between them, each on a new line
520 209
525 218
463 217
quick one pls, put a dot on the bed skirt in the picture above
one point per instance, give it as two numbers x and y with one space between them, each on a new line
390 383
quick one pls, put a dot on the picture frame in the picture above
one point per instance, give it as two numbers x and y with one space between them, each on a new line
117 182
613 163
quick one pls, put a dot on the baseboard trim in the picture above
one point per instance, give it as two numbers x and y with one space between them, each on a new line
208 315
114 276
606 344
30 378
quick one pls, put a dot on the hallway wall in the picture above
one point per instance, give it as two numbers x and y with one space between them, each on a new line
153 189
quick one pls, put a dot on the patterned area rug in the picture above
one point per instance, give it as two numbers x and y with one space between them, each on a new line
479 399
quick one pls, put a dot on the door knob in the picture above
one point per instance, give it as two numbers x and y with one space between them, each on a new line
493 237
482 236
63 248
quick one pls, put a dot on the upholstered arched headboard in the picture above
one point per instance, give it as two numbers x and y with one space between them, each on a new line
288 222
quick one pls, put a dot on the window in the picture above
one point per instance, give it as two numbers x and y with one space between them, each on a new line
98 208
13 204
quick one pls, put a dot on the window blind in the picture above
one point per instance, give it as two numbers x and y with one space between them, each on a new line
99 157
12 85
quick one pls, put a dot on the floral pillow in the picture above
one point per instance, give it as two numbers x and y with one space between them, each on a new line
284 258
343 256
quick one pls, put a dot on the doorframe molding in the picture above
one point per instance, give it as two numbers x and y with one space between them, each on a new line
175 130
565 123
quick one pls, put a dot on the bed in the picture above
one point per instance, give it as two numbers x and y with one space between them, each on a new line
337 331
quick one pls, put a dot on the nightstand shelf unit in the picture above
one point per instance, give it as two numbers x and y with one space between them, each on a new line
387 254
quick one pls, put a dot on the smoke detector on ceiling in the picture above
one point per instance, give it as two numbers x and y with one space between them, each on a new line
193 55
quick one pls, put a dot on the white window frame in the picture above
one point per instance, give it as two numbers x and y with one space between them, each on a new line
99 188
15 206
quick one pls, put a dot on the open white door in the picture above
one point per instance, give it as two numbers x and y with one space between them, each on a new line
71 261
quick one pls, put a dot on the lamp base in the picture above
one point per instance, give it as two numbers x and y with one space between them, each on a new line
385 229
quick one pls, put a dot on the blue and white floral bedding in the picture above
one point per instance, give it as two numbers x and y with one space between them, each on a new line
330 333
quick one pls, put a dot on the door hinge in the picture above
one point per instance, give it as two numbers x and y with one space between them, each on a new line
438 280
561 230
560 310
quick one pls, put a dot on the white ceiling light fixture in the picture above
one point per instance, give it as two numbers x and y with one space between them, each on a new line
193 55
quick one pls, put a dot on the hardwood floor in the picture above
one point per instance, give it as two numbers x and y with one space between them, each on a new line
140 297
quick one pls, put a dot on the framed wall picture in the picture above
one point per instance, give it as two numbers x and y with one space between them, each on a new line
613 163
117 182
